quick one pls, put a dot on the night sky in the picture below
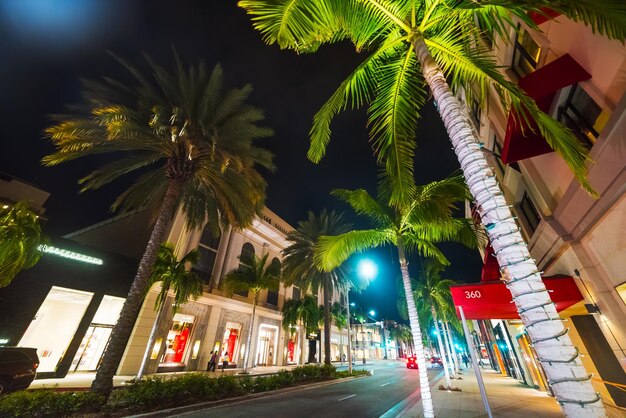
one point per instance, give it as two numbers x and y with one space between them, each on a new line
46 46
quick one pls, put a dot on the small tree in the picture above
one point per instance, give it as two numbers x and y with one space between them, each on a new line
20 240
259 275
172 274
304 313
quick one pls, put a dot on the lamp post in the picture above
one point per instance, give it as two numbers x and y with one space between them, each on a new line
349 337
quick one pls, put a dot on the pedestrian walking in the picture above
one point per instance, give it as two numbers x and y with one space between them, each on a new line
465 360
213 361
210 364
224 361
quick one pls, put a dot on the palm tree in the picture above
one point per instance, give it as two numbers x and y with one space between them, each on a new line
20 240
434 292
304 313
339 317
253 278
422 47
415 225
191 143
172 274
300 270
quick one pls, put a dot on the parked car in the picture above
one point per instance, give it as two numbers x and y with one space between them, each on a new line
436 361
411 362
18 366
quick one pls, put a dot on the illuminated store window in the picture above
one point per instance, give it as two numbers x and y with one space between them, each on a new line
230 341
266 345
177 341
94 342
55 324
525 53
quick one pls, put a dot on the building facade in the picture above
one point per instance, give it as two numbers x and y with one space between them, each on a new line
579 78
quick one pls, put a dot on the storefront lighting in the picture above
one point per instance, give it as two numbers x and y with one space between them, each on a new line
70 254
4 340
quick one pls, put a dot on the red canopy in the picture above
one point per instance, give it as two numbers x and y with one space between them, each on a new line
542 85
494 301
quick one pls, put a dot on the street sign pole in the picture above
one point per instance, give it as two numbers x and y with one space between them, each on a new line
479 377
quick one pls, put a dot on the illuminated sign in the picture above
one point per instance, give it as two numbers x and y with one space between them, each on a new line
70 254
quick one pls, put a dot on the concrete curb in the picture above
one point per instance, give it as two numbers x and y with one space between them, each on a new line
240 399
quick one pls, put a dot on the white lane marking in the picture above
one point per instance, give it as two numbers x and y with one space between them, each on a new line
385 384
346 397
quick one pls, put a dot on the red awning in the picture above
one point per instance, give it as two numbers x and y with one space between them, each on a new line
542 85
494 301
548 14
491 268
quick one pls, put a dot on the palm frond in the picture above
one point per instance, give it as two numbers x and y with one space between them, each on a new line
332 251
363 204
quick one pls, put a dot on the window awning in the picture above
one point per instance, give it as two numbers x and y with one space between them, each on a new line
541 85
494 301
491 268
548 14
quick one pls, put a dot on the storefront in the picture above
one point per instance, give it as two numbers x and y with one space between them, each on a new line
91 349
502 335
231 342
55 326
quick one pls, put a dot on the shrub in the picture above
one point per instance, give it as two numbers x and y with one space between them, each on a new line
48 403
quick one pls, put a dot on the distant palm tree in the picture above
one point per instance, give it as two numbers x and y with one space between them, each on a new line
433 292
191 143
20 240
299 268
303 313
172 274
414 225
259 275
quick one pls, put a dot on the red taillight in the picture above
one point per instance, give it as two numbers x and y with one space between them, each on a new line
35 365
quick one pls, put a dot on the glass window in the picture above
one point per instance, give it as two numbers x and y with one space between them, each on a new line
621 291
582 115
497 153
209 239
206 261
525 53
295 295
55 325
245 259
530 213
178 338
476 113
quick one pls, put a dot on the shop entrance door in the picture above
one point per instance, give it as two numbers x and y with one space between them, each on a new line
91 348
266 346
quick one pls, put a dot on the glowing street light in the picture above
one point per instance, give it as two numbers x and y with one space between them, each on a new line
372 312
367 269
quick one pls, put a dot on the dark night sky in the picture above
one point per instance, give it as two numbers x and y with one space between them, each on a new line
47 46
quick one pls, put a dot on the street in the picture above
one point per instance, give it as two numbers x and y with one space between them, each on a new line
370 396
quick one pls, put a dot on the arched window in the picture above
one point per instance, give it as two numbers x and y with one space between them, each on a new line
245 259
272 294
207 247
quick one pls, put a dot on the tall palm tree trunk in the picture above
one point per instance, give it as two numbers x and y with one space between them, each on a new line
302 340
427 400
246 355
103 383
569 380
151 340
448 344
327 323
457 366
442 351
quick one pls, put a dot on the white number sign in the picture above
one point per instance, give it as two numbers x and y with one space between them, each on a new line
474 294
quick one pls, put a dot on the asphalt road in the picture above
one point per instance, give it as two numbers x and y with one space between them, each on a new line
372 396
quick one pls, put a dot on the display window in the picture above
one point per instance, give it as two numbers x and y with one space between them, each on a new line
94 342
177 340
230 341
55 324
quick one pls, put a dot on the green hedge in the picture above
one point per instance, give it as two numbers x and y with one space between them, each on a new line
157 393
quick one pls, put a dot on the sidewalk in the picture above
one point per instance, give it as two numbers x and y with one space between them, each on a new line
508 399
